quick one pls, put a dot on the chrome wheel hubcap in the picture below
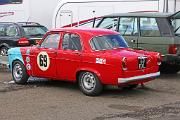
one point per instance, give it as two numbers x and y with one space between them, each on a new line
3 52
88 81
17 72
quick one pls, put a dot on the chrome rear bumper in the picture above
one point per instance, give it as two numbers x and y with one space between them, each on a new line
136 78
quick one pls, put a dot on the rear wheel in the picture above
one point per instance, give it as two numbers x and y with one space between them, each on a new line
169 69
89 84
3 51
19 73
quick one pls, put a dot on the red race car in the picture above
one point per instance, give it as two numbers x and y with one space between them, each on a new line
91 57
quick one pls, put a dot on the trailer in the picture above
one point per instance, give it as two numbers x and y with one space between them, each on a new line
58 13
70 11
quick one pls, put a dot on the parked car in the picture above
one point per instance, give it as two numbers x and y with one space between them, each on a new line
91 57
158 32
19 34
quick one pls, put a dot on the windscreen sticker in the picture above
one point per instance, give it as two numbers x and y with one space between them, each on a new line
100 61
43 61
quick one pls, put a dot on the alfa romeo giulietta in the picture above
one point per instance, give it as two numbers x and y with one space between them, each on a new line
91 57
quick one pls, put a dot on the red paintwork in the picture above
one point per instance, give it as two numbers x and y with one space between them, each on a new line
65 65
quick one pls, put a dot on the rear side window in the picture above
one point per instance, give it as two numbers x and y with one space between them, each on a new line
71 42
109 23
149 27
128 26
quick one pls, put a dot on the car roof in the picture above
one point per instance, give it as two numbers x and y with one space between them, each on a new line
141 14
87 31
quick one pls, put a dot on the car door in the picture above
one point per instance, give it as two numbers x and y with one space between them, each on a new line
128 28
151 38
69 56
44 56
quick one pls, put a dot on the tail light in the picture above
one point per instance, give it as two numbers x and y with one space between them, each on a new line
172 49
23 41
159 59
124 63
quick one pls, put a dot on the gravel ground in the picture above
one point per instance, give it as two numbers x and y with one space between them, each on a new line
41 99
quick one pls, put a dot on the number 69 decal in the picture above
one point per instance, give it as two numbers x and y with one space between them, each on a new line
43 61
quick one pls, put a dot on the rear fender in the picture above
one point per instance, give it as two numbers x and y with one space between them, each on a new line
90 70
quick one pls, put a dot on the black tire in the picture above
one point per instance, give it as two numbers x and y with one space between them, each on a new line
169 69
19 73
4 51
89 84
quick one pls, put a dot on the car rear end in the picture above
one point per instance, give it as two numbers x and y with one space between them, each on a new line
33 31
139 68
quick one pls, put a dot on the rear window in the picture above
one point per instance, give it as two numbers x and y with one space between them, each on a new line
108 42
34 31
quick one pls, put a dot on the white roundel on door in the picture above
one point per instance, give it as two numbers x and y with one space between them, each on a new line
43 61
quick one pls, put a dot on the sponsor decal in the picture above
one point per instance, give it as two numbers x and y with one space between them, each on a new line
43 61
28 66
100 61
27 59
3 14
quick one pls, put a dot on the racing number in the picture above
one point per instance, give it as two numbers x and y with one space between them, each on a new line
43 61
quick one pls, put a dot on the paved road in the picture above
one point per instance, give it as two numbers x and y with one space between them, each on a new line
41 99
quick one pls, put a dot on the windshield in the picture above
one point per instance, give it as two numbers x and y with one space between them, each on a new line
176 26
35 31
108 42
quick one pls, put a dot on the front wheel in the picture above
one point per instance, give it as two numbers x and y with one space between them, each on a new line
89 84
19 73
3 51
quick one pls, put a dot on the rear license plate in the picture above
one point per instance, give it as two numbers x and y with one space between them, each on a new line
142 62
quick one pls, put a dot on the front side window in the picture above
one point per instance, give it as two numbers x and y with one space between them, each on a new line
90 23
109 23
149 27
108 42
51 41
128 26
71 42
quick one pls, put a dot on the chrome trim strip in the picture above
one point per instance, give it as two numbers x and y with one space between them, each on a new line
130 79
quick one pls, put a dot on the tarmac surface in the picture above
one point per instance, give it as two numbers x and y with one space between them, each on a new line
42 99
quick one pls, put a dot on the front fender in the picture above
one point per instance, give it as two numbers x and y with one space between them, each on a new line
14 54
